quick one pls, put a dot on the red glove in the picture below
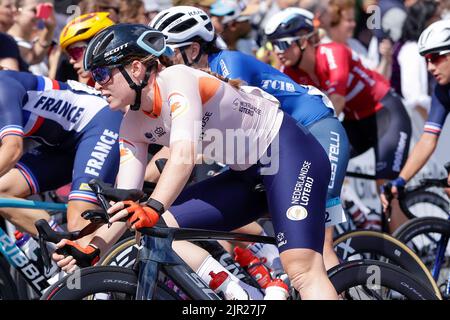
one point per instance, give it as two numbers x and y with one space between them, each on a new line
141 217
85 257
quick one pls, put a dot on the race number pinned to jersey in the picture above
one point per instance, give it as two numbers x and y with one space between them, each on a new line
178 104
127 150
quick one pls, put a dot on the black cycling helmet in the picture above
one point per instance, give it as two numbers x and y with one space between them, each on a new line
113 46
288 22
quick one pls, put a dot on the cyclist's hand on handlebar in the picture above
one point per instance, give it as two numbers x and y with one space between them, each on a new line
137 216
69 255
390 190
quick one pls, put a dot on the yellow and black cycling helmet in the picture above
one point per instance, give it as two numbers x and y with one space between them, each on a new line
84 28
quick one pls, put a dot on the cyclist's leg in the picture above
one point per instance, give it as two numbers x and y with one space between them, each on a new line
38 170
392 147
196 208
14 185
333 138
296 195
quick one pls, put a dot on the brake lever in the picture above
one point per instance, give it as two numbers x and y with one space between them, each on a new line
95 216
97 186
389 196
45 254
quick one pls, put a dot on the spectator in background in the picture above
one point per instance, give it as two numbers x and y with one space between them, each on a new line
111 6
393 15
65 70
410 77
9 51
339 22
133 11
205 5
33 36
152 8
75 37
232 21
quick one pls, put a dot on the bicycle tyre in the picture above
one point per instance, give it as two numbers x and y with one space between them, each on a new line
360 272
8 290
103 279
365 241
417 226
426 197
122 254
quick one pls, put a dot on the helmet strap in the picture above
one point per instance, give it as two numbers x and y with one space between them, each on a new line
186 60
137 88
302 51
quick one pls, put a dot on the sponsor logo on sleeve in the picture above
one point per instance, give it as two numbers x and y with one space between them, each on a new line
178 104
127 150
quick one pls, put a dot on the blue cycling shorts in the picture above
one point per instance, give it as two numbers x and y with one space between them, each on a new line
295 193
95 154
332 136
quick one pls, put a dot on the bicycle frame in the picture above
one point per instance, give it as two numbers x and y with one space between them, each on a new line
27 268
440 255
443 242
157 255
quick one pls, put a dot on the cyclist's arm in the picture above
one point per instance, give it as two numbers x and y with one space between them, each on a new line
338 65
11 131
133 157
428 141
419 156
152 173
9 64
176 172
338 103
11 149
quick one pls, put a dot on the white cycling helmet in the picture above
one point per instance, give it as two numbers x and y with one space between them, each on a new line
182 23
435 38
288 22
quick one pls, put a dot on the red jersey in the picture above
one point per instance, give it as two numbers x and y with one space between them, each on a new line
340 71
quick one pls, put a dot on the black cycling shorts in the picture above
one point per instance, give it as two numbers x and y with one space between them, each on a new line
388 131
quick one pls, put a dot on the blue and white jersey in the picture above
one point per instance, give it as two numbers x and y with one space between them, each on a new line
306 104
70 119
440 108
45 109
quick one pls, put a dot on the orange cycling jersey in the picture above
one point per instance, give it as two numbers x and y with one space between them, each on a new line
194 106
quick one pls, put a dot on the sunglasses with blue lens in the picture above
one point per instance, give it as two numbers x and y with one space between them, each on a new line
102 75
281 45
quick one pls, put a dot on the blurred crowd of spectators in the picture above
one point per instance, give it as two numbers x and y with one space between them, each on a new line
382 33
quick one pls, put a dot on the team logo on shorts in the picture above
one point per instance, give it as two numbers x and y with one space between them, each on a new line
297 213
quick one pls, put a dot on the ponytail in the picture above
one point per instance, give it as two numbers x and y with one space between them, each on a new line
235 83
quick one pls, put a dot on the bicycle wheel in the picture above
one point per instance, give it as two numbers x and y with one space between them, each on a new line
423 236
376 280
105 283
422 203
122 254
364 244
8 290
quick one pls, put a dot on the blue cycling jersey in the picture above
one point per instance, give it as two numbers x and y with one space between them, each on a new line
77 131
440 108
306 104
